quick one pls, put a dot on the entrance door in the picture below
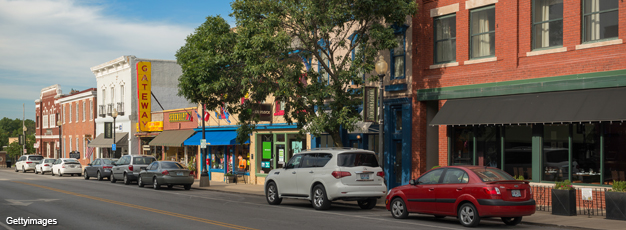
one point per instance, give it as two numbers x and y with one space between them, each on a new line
396 149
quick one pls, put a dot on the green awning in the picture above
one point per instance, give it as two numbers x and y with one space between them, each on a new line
172 138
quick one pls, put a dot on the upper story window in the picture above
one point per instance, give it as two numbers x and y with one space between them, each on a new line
483 32
547 23
37 122
104 100
398 54
112 95
121 93
445 39
70 114
52 120
45 121
84 111
90 110
77 111
600 19
280 108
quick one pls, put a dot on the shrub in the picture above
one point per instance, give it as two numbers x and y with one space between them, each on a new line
564 185
436 166
619 186
520 177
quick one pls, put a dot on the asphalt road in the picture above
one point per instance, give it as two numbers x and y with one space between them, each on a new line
79 204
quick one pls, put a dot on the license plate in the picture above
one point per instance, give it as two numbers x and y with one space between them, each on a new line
516 193
179 174
107 170
72 166
365 176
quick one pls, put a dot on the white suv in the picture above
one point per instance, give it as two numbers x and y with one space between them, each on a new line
325 175
27 162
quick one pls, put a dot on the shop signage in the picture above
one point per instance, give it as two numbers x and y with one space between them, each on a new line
587 194
108 130
144 75
281 155
267 150
203 143
153 126
265 164
264 112
180 117
75 154
370 104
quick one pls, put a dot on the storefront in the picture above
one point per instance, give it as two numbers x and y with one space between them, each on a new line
577 135
171 142
105 145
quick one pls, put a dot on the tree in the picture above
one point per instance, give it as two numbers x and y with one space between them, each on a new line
15 149
13 128
266 56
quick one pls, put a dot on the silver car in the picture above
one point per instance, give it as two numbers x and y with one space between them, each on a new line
127 167
168 173
100 168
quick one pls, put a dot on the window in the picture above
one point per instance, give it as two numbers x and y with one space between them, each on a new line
77 147
84 110
547 23
600 19
113 95
77 111
491 174
45 121
455 176
324 76
445 39
357 159
431 177
280 108
70 114
308 161
37 122
90 110
64 113
482 32
398 55
53 120
294 162
70 145
356 51
121 93
104 101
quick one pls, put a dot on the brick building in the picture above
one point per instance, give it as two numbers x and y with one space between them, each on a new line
533 87
78 123
47 132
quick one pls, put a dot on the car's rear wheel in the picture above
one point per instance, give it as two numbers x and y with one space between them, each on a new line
512 221
398 209
85 175
99 176
23 170
468 216
42 172
16 169
126 180
187 186
367 204
139 182
113 180
271 194
59 172
170 186
36 171
320 200
155 184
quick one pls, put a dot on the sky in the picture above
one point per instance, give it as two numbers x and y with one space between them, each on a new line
48 42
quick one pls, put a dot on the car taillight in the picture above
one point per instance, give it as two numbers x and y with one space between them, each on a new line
340 174
494 191
29 162
165 172
46 165
62 165
380 174
107 167
130 167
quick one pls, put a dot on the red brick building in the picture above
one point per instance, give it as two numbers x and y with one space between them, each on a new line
78 112
47 132
532 87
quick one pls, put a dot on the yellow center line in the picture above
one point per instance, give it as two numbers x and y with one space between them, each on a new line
143 208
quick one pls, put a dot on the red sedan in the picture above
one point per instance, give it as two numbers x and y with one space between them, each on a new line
467 192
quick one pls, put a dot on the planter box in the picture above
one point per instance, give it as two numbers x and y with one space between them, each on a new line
564 202
615 205
230 179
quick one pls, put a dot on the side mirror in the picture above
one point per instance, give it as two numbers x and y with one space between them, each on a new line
412 182
281 163
89 164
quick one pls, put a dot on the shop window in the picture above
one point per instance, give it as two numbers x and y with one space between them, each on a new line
265 153
600 19
555 159
547 23
280 108
482 32
614 149
445 39
463 150
217 157
398 56
518 156
585 153
488 146
243 158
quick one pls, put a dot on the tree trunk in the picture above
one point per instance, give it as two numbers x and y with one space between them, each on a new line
336 137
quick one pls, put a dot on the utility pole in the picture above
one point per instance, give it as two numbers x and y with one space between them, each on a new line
23 127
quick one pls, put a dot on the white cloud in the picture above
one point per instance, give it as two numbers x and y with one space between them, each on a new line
47 42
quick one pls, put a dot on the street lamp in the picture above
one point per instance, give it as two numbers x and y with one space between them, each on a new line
114 115
381 70
60 134
204 176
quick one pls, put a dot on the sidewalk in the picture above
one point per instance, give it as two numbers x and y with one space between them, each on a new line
540 218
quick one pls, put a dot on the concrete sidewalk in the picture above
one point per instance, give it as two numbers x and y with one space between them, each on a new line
540 218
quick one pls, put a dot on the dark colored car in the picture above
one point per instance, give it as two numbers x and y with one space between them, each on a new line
168 173
127 167
466 192
100 168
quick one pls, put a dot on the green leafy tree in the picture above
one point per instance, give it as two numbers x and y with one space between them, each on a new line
13 128
265 56
14 150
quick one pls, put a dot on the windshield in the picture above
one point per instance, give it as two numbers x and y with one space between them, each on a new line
35 158
171 165
49 160
70 161
491 174
357 159
143 160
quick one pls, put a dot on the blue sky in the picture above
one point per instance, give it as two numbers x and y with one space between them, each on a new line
47 42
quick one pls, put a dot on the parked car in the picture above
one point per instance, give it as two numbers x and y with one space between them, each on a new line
326 175
168 173
466 192
27 162
100 168
66 166
128 166
44 166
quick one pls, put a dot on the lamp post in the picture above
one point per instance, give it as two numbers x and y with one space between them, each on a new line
381 70
204 176
114 115
60 134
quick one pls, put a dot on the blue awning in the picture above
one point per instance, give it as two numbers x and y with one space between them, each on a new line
215 138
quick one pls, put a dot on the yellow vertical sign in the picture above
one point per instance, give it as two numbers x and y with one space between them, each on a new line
144 74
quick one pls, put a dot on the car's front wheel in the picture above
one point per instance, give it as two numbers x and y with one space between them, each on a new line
85 175
468 216
140 182
126 180
367 204
187 186
99 176
271 194
59 172
398 209
320 200
155 184
113 180
512 221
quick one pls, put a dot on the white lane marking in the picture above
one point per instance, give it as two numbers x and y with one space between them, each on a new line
6 226
27 202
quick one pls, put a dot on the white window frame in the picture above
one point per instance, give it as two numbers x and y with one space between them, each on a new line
90 109
77 112
77 144
52 120
70 144
70 113
45 121
84 111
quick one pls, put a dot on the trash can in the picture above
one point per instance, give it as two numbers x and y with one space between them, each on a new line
8 164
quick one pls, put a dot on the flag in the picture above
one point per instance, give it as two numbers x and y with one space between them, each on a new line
89 152
218 116
227 115
207 115
198 115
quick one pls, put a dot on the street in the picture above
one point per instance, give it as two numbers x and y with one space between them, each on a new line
79 204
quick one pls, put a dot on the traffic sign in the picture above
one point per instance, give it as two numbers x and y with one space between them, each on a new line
113 147
203 143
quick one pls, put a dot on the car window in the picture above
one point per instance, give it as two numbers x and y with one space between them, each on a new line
21 159
143 160
106 161
49 161
70 160
322 159
431 177
455 176
308 160
294 162
57 161
357 159
171 165
492 174
152 166
96 162
35 158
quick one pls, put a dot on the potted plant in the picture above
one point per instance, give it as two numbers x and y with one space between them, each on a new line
229 177
192 167
616 201
564 199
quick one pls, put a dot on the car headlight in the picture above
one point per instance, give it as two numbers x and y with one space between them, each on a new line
388 192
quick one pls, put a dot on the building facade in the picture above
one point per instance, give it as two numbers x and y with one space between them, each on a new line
532 87
46 116
77 115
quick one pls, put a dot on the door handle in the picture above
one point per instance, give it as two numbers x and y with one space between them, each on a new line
294 172
459 189
311 172
431 189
